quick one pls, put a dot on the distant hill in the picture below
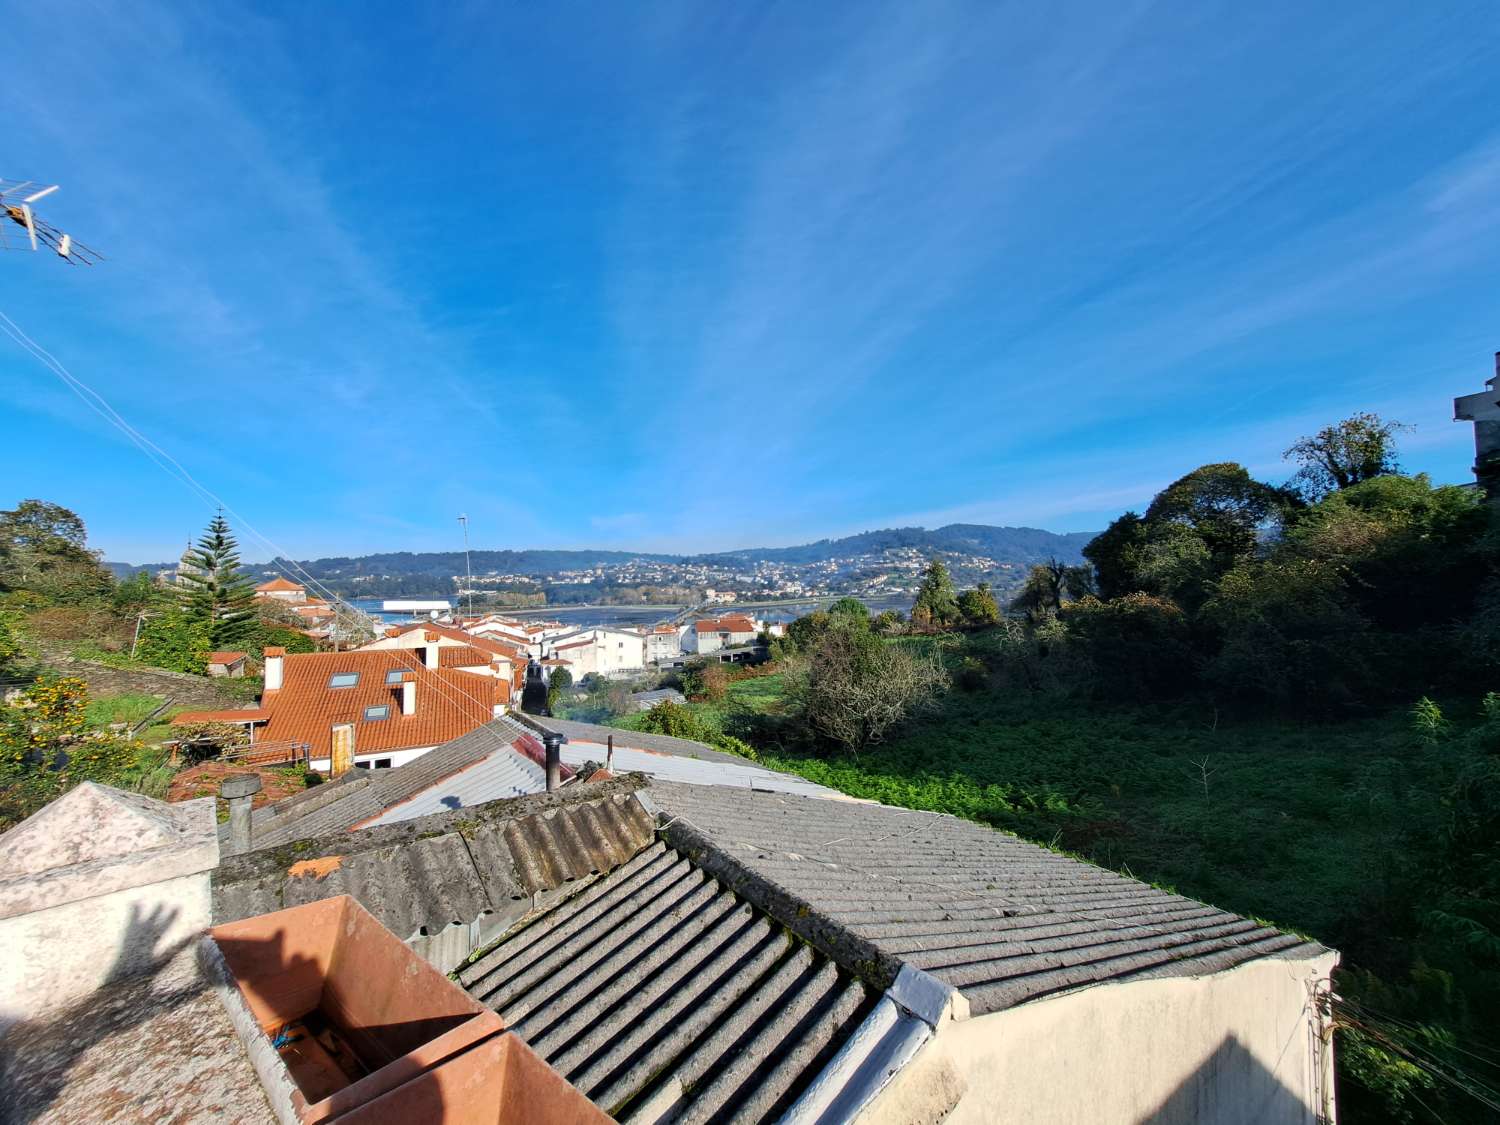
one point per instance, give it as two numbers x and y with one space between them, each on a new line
419 573
1003 544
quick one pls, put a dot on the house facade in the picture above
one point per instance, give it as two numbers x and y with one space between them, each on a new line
373 709
710 634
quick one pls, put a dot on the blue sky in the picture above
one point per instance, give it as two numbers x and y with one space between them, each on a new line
698 276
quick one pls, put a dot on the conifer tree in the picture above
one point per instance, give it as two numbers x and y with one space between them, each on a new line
217 591
937 602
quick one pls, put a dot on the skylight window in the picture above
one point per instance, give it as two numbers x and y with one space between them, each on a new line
343 679
394 675
381 712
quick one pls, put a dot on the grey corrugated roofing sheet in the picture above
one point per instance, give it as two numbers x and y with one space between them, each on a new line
663 996
1002 920
430 872
661 743
375 793
504 773
676 759
694 771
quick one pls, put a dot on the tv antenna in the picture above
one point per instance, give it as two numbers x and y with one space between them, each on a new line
468 570
16 198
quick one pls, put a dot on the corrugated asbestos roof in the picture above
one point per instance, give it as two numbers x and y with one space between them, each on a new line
387 796
1002 920
454 867
738 774
662 743
504 773
663 996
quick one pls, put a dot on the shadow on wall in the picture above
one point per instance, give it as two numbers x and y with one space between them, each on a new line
1231 1087
37 1055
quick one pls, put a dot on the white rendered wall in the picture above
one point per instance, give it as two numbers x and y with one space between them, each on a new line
1241 1047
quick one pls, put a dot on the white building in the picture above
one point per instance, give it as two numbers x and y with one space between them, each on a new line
663 643
714 633
603 650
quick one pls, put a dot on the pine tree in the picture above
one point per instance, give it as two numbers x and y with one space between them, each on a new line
217 592
937 603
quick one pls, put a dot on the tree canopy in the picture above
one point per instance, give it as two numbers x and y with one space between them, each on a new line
1345 454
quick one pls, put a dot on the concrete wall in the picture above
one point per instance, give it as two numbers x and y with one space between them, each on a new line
100 886
1234 1048
56 956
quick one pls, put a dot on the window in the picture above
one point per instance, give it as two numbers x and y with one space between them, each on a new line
382 763
343 679
381 712
394 675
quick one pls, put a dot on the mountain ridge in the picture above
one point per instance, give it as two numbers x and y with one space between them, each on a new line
1001 543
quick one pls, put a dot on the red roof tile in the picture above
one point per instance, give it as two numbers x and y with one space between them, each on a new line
449 702
225 657
279 585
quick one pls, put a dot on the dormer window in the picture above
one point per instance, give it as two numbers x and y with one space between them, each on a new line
343 679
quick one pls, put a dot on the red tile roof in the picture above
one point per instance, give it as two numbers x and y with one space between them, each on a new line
225 657
449 702
734 623
279 585
462 656
511 652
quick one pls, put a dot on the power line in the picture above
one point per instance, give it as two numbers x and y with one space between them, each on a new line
170 465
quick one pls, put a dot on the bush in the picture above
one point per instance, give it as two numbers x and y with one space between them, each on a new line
1136 646
853 687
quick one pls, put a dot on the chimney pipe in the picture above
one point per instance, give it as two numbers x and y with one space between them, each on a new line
275 658
430 651
408 694
239 789
553 742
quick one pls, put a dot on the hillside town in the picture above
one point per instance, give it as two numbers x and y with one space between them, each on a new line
750 564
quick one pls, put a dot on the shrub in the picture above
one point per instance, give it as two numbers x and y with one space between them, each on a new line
1137 645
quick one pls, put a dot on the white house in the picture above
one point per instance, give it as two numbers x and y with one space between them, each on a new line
663 643
603 650
714 633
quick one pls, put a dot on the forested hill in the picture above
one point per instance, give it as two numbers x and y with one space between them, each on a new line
1003 544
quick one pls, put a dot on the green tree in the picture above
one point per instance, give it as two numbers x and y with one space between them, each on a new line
43 549
1116 555
850 611
1041 595
936 606
218 592
978 605
1357 449
1223 506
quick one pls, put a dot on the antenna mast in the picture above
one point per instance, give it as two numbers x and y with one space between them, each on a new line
468 571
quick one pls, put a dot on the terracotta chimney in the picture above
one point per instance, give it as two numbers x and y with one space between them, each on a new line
408 693
275 658
430 650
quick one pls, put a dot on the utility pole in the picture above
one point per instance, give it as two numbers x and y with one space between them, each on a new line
468 571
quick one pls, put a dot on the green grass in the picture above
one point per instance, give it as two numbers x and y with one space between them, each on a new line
129 707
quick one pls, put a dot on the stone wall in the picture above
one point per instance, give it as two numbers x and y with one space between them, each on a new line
186 691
